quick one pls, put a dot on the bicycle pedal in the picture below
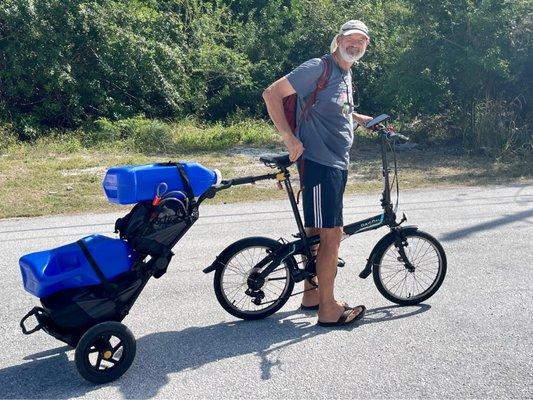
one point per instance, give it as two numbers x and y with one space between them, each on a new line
300 275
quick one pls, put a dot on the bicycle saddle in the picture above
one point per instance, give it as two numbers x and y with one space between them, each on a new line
281 161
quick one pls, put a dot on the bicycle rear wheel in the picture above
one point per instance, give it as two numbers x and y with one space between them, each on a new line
408 285
232 284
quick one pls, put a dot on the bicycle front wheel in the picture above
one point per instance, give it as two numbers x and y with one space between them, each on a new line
410 284
233 287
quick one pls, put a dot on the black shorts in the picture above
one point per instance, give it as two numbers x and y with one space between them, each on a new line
323 189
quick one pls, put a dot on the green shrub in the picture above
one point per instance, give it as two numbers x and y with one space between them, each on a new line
147 136
7 136
192 136
61 142
138 134
100 132
498 129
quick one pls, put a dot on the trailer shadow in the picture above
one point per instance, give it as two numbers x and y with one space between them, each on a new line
50 374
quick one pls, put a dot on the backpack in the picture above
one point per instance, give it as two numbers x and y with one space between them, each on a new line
290 110
290 102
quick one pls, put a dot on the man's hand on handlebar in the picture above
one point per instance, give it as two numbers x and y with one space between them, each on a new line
361 119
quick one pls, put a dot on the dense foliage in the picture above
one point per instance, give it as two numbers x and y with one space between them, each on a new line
442 63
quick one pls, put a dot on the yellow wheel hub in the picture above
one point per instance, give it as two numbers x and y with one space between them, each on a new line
107 354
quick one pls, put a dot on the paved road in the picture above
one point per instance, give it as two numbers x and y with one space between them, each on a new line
474 338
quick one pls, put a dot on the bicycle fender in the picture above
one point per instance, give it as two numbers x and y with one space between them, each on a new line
389 237
212 267
218 264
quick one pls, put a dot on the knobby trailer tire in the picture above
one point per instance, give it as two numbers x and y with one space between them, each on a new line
95 343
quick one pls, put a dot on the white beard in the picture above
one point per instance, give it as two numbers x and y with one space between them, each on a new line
349 57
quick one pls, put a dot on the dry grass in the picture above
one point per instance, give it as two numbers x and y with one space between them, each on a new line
46 179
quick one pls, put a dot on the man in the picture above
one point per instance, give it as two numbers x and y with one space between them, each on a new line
324 136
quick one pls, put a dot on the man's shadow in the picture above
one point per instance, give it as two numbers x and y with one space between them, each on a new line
50 374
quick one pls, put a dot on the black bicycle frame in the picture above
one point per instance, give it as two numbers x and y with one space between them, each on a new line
303 245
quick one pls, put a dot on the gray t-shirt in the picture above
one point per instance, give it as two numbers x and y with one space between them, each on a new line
326 130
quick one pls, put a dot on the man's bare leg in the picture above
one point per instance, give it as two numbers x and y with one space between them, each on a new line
328 253
310 297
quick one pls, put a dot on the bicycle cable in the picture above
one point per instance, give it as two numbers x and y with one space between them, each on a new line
395 179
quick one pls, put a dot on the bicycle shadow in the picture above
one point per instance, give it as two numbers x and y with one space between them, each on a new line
50 374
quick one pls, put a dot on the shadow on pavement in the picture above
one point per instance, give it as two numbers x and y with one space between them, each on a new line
494 224
50 374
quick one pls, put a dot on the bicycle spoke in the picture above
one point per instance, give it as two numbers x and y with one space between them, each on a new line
242 300
423 281
271 291
388 274
235 292
392 277
402 282
428 261
233 284
424 288
421 257
419 247
398 283
274 286
426 275
236 271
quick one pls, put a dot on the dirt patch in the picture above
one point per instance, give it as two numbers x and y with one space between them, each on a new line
100 171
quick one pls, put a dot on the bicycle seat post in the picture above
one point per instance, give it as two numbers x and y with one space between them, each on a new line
284 176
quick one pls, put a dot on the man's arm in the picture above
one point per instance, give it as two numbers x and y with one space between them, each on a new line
273 96
361 119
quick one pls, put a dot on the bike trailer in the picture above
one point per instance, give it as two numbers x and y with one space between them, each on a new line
86 288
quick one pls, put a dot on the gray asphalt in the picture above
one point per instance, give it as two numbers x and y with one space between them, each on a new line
472 339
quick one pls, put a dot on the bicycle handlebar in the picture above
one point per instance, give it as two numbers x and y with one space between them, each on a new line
394 135
390 133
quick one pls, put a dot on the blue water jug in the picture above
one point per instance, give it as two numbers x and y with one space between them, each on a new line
51 271
131 184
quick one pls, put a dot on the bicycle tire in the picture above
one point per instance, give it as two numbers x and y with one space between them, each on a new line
385 266
227 262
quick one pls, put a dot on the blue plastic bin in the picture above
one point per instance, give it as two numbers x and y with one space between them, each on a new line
131 184
47 272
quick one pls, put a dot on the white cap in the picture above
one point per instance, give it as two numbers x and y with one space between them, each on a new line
218 175
348 28
354 26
